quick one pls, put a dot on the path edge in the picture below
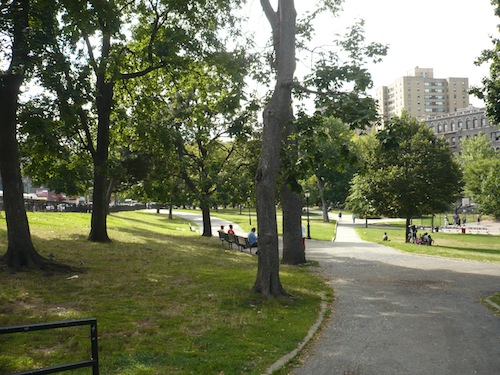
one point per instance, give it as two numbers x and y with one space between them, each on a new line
284 360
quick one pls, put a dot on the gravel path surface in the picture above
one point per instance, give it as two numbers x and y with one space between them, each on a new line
397 313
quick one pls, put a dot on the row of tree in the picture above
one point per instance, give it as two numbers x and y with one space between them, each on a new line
147 96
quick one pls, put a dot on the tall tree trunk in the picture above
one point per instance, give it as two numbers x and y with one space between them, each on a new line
293 246
321 187
276 115
104 102
20 250
207 223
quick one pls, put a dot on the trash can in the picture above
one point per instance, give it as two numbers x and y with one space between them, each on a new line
463 229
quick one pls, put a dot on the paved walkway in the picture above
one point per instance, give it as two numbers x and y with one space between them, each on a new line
398 313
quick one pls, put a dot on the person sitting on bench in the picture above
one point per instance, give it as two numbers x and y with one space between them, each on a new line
252 238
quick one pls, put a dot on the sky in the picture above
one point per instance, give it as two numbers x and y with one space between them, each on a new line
446 35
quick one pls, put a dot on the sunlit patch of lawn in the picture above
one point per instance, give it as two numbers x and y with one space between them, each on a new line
167 301
479 247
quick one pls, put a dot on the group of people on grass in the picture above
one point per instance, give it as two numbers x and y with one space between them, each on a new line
252 236
424 239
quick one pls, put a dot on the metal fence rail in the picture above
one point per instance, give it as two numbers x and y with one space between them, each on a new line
93 362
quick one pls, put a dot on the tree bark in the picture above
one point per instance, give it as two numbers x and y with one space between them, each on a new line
293 246
321 187
20 250
207 223
100 204
276 114
104 105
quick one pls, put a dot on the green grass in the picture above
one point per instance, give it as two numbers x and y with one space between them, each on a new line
478 247
496 298
319 230
166 301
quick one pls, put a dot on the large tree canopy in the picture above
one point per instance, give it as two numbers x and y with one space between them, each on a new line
480 165
490 89
410 172
99 48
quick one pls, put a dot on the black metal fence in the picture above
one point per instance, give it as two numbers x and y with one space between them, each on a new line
93 362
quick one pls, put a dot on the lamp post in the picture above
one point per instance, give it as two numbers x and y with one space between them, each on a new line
249 215
308 194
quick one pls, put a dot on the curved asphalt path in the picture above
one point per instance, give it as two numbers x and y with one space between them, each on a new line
397 313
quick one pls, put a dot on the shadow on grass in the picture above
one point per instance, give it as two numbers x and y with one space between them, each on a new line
159 217
469 250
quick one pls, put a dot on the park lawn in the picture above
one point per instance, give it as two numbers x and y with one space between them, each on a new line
320 230
167 301
478 247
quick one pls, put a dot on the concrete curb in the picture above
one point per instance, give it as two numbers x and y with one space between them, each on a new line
283 361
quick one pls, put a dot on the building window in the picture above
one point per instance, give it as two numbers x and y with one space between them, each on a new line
483 122
474 123
439 128
453 141
467 124
460 124
453 126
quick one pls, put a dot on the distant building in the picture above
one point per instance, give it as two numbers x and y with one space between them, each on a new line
420 94
462 124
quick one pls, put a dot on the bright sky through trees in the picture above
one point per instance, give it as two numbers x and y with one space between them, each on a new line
446 35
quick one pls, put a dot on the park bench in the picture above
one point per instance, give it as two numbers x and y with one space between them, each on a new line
466 229
240 241
477 230
424 228
450 229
